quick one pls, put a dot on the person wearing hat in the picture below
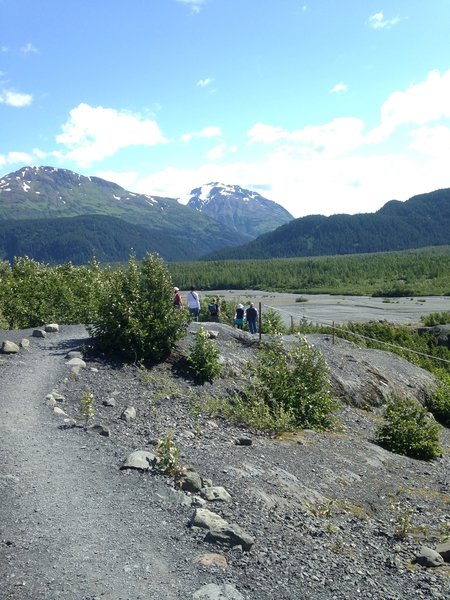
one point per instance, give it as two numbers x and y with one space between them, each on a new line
239 316
177 301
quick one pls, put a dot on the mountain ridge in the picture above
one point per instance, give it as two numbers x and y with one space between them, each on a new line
423 220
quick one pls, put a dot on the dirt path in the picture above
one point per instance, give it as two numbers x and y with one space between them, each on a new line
71 524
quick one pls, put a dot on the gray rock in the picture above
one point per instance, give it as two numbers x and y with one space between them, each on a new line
59 411
10 347
51 328
25 343
244 441
128 414
206 519
109 402
216 494
444 551
429 558
219 530
39 333
191 482
77 362
139 459
212 591
100 429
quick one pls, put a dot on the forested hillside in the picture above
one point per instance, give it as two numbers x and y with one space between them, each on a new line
423 220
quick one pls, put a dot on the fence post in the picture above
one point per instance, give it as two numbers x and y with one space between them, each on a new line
259 320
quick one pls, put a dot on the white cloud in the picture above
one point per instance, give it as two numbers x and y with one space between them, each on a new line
29 49
94 133
204 82
377 21
13 158
15 99
193 4
339 87
206 132
431 141
421 103
337 167
333 138
217 152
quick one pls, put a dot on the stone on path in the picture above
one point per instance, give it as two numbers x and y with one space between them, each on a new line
39 333
52 328
211 559
139 459
10 347
216 494
219 530
444 551
128 414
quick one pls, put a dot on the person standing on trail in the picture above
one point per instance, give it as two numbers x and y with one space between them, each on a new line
214 310
251 314
193 302
239 316
177 300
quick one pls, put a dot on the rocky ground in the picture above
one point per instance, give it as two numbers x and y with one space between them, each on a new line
310 516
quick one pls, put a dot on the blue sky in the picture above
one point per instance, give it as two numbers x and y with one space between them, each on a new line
324 106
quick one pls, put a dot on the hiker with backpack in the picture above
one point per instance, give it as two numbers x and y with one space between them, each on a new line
214 310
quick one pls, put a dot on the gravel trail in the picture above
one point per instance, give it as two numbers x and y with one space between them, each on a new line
71 524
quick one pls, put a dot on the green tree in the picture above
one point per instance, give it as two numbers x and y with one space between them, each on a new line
136 317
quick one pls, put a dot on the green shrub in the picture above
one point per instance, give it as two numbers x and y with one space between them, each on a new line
204 357
136 317
439 404
409 429
292 383
436 318
272 322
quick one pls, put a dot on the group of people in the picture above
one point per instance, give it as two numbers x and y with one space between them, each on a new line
242 315
249 314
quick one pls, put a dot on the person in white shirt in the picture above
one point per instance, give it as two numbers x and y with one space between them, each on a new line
193 302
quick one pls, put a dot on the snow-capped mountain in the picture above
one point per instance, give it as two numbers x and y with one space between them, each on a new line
238 208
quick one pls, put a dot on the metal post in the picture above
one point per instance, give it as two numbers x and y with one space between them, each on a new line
259 320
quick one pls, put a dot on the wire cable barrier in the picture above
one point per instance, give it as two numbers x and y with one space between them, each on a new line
332 326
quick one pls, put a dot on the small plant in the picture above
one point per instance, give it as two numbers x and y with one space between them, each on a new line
204 357
168 455
87 407
403 519
439 404
409 429
445 531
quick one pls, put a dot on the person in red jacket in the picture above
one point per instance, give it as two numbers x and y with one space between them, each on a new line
177 300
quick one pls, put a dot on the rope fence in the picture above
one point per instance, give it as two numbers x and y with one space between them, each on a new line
334 329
